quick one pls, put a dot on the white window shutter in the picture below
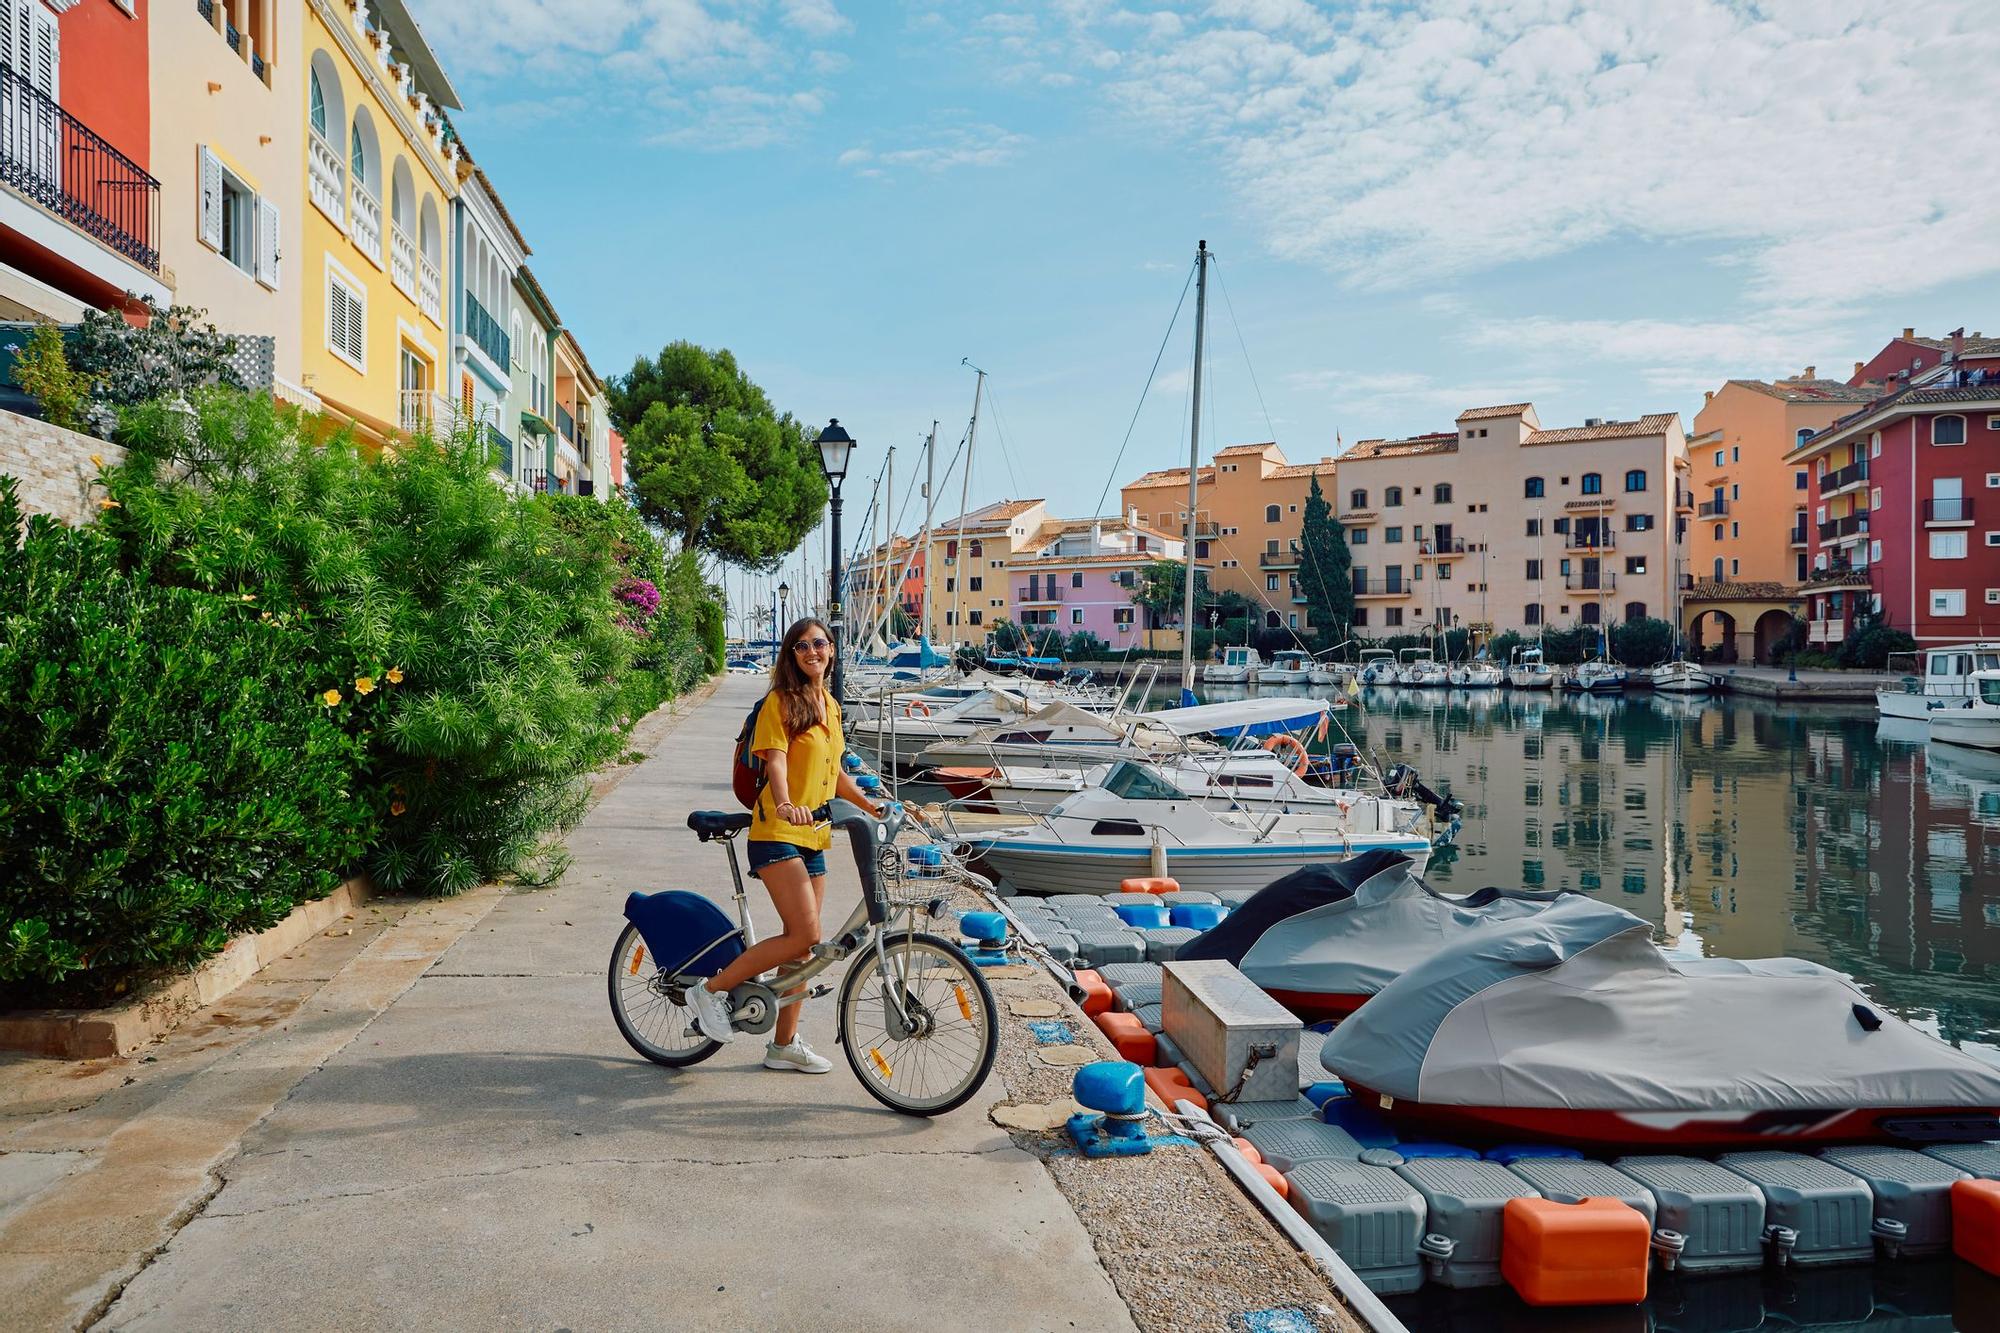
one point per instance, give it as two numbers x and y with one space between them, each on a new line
48 53
211 199
267 243
357 328
336 315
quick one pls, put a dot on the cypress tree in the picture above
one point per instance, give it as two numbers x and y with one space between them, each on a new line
1326 571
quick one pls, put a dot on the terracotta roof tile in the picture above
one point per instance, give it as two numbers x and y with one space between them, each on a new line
1305 470
1655 423
1133 558
1812 391
1442 442
1973 346
1164 476
1503 410
1235 449
1708 590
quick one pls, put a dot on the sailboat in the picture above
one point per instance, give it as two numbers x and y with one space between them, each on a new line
1528 671
1681 676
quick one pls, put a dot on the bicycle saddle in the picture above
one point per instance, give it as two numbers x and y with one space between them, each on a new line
718 823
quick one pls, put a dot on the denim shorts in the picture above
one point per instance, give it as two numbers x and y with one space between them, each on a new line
768 852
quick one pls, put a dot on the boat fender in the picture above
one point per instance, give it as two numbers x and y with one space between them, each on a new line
1436 1250
1782 1241
1667 1245
1869 1020
1890 1234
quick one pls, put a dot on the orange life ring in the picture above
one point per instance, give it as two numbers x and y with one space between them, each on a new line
916 706
1295 744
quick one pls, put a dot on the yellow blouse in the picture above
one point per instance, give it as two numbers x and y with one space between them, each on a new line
812 768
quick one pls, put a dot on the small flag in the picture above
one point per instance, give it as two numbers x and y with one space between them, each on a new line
1353 687
1319 732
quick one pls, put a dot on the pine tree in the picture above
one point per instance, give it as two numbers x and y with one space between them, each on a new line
1326 571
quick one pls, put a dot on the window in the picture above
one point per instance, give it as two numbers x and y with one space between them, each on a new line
951 585
1591 614
346 318
1392 534
1735 568
1200 550
1718 532
1441 493
976 549
1124 578
1735 490
1534 569
1358 537
1635 480
1560 527
1392 615
974 617
1444 571
1270 583
1393 497
1533 489
1360 616
1635 564
1948 430
1718 569
1735 529
1271 513
1357 499
975 584
1076 615
1638 522
1948 601
1076 580
1122 616
1635 610
1947 546
1532 614
1534 527
1593 483
1292 620
1993 539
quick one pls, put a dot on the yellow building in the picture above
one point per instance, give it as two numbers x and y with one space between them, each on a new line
381 172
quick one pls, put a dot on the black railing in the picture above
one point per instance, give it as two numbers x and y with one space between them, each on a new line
1279 559
1948 511
486 331
1712 509
1456 546
60 163
1036 592
1800 533
502 449
1602 540
1846 526
207 8
1380 587
565 423
1845 476
1586 581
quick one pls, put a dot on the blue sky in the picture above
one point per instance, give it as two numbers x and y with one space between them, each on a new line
1418 208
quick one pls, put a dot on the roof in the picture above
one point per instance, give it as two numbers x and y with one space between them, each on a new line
1164 476
1811 391
1902 403
1441 442
1731 591
1653 423
1120 558
1503 410
582 361
500 207
1236 449
1833 582
1974 345
540 297
408 40
1325 469
997 514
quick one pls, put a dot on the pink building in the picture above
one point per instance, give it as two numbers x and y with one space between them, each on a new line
1079 576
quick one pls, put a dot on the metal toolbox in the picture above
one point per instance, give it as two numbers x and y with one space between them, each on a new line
1219 1017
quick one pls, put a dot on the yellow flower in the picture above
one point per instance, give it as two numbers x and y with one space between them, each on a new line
97 460
330 698
265 616
394 675
364 684
108 504
397 807
249 596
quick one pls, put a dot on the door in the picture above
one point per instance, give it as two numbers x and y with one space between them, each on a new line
30 128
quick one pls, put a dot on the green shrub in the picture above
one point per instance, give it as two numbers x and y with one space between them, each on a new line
1871 641
1642 643
43 372
167 776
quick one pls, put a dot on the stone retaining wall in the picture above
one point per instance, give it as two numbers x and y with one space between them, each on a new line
53 467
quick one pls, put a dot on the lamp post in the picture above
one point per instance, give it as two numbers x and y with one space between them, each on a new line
784 609
835 447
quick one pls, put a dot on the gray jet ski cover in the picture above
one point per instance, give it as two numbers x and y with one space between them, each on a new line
1575 1009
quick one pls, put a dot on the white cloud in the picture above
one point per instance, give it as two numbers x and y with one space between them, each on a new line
816 18
966 146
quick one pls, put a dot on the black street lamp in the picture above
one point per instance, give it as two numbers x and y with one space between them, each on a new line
835 447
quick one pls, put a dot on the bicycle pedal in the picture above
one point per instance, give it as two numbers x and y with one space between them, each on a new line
830 951
819 992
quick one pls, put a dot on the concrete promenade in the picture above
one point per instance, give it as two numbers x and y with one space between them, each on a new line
432 1122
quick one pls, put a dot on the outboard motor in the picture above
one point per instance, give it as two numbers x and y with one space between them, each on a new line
1403 782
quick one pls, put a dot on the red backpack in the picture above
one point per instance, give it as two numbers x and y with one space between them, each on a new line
746 769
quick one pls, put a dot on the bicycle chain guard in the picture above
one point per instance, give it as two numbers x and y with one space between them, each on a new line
753 1007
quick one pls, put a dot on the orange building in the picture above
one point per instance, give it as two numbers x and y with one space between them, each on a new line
1250 507
1751 505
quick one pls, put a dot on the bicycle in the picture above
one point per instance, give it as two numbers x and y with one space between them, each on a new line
915 1019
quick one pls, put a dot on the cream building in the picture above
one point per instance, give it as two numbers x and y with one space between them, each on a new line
1505 525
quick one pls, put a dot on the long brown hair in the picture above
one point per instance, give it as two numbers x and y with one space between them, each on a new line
798 700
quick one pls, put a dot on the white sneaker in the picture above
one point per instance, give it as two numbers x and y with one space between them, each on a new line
798 1057
711 1012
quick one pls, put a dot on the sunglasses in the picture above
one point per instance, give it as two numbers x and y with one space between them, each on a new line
810 645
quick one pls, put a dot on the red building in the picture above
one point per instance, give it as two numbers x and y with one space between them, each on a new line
79 212
1906 516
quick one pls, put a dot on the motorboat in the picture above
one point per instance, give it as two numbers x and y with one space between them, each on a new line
1529 672
1681 676
1416 668
1288 667
1323 939
1476 676
1569 1026
901 730
1135 823
1253 779
1977 725
1942 679
1238 665
1378 667
1596 676
1330 673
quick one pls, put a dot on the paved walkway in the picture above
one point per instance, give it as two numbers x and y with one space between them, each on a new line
475 1146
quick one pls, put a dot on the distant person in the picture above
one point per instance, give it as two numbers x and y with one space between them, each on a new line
800 741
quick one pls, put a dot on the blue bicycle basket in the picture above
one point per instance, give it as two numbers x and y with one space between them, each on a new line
676 923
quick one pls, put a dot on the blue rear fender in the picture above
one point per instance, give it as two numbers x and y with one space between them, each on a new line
685 932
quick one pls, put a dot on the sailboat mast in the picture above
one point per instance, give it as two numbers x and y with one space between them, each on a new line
1194 466
924 627
964 489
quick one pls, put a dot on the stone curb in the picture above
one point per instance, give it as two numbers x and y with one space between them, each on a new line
90 1034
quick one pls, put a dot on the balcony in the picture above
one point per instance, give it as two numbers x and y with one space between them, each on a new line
402 260
366 231
1602 540
1838 480
1801 534
1948 511
425 410
502 449
1450 550
1683 502
430 290
1279 559
326 178
1848 525
1038 592
1586 581
1712 509
1825 631
485 331
1381 588
566 425
1207 527
53 159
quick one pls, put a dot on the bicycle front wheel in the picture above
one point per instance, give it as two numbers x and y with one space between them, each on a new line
647 1017
918 1025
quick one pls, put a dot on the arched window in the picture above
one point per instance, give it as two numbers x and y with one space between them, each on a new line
1592 613
1593 483
318 106
1271 620
1635 480
357 153
1442 492
1357 499
1271 513
1805 433
1393 497
1718 567
1533 490
1635 610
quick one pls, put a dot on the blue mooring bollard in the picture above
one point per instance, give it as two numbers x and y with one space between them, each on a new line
1116 1091
851 762
988 933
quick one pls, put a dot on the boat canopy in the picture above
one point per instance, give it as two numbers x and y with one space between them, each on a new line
1242 717
1352 927
919 655
1574 1009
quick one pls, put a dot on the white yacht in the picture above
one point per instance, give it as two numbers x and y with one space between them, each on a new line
1943 679
1597 676
1378 667
1476 675
1682 677
1238 665
1529 672
1977 724
1330 673
1289 667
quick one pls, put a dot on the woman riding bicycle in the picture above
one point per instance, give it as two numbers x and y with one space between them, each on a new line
799 739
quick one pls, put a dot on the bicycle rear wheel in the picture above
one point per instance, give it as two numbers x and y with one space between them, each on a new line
647 1017
940 1059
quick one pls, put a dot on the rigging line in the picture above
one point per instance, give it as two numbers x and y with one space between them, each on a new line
1133 424
1269 605
1247 364
1000 430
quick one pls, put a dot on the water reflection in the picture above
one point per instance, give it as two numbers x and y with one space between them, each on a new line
1740 828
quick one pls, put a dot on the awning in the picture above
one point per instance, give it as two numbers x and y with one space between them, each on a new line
1242 717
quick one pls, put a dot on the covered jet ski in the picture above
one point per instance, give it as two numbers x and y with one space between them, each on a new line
1326 937
1570 1026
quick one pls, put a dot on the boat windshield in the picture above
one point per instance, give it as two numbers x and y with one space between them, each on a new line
1989 690
1134 783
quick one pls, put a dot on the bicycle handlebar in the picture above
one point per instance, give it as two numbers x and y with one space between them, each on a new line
866 833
